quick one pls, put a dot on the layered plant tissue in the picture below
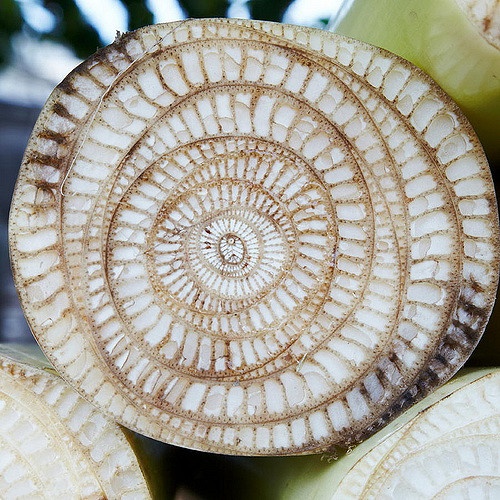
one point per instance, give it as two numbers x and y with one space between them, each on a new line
54 444
253 238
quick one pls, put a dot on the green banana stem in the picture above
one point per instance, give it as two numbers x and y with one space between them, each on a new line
455 41
410 458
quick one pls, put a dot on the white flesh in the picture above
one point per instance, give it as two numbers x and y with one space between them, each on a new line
54 444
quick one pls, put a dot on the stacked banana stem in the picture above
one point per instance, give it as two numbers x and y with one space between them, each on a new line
256 239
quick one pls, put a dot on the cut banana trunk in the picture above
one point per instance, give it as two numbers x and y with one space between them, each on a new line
252 238
54 444
449 448
457 42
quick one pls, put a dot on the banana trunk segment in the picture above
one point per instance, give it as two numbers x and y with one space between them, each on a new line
447 446
54 444
252 238
457 42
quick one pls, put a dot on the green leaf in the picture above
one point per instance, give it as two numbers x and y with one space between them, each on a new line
207 8
73 28
10 17
11 22
268 10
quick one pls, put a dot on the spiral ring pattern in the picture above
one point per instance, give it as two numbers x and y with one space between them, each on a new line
253 238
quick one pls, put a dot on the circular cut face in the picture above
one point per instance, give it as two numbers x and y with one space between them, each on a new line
54 444
253 238
414 461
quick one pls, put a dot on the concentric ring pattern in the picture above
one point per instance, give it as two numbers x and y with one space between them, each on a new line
253 238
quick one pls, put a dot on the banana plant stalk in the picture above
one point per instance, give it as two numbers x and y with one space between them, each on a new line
250 238
457 42
54 444
446 446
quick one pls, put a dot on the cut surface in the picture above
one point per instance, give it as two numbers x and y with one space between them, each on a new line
445 446
485 15
53 444
456 42
253 238
451 450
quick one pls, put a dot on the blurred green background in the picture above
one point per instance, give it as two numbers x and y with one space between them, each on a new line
73 22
